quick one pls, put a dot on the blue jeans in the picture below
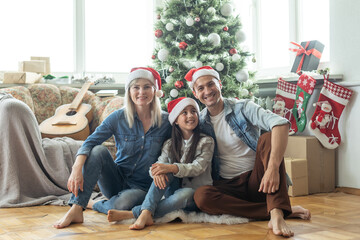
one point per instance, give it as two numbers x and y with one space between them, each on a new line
100 167
182 198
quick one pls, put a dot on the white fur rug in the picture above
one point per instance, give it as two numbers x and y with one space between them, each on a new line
195 217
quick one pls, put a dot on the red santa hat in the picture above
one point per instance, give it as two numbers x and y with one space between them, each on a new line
195 73
147 73
176 106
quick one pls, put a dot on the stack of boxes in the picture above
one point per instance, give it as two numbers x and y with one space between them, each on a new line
310 166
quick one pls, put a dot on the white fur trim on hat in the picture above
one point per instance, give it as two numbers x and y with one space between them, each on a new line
180 106
140 73
203 72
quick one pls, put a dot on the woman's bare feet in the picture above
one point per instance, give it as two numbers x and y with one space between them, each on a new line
278 225
74 215
300 212
145 219
119 215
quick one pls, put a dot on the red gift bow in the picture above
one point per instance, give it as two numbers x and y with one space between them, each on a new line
302 50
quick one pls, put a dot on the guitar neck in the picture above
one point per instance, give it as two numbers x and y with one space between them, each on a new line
77 101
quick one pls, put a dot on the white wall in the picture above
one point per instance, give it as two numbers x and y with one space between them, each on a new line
344 59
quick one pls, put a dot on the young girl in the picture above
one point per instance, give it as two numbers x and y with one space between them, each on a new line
184 165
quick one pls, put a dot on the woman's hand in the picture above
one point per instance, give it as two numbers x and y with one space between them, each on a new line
160 168
76 179
160 181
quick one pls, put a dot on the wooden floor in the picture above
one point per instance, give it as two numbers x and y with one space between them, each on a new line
334 216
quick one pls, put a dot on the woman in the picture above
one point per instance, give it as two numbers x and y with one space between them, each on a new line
140 129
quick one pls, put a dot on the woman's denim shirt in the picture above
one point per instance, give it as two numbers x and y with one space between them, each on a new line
246 119
136 151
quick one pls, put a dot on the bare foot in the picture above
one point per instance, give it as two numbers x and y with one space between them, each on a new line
145 219
278 225
74 215
118 215
300 212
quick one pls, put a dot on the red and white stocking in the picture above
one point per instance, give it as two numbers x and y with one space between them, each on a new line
284 103
324 123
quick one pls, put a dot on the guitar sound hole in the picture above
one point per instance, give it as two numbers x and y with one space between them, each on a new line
71 113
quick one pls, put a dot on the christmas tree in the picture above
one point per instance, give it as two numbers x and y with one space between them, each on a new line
194 33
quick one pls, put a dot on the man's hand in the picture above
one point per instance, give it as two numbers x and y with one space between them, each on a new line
160 168
160 181
270 181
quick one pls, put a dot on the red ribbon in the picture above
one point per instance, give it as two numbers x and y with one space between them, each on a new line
303 51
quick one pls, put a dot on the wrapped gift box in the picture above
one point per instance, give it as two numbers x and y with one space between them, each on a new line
36 66
298 173
320 162
308 56
14 77
47 63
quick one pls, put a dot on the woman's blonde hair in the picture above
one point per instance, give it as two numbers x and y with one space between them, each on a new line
155 108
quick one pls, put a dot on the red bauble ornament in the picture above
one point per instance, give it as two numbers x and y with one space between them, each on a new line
225 28
197 19
158 33
183 45
179 84
171 69
153 56
158 16
232 51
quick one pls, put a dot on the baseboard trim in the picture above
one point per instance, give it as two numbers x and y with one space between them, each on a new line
354 191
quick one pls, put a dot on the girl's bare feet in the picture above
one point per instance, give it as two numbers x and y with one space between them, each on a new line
145 219
74 215
300 212
119 215
278 225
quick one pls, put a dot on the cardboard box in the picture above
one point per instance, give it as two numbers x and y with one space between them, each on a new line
311 60
36 66
14 77
298 173
47 63
320 162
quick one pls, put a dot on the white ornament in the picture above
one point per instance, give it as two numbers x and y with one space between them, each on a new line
198 64
242 75
235 57
167 101
189 21
187 64
174 93
244 92
240 36
214 38
169 26
163 54
219 67
168 79
211 10
226 10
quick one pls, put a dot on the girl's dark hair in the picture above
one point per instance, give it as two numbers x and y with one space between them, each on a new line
177 142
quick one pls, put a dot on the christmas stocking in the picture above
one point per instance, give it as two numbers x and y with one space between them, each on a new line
284 102
305 87
324 123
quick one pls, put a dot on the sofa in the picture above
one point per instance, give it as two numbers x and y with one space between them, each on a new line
43 99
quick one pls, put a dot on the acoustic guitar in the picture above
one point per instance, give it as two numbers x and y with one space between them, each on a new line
70 120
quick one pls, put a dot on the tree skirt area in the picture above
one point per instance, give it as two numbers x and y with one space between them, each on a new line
195 217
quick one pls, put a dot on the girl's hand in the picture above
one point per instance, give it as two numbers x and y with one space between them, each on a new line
160 181
160 168
76 181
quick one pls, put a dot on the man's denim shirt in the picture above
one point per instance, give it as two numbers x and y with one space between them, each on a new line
136 151
246 119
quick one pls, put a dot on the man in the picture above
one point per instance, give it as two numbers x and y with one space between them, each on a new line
248 169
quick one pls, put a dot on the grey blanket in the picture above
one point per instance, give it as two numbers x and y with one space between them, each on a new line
33 171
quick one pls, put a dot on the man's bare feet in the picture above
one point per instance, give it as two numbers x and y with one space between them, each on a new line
278 225
74 215
145 219
300 212
119 215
